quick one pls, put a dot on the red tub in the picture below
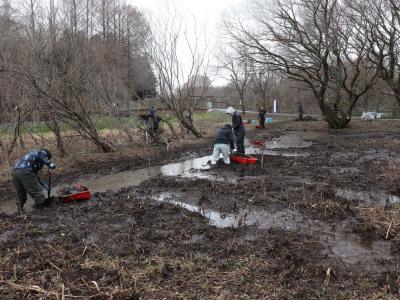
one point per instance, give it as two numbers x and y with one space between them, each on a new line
258 143
83 195
249 160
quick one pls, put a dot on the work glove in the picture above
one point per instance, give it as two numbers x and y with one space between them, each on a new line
52 166
45 186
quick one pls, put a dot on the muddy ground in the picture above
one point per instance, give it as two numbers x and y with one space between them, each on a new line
318 220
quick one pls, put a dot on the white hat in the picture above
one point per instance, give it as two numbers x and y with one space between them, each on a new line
230 110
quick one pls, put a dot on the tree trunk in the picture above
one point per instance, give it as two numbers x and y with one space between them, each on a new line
192 129
53 125
397 95
242 103
335 120
189 126
102 145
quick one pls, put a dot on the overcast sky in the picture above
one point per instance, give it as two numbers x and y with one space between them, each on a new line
207 12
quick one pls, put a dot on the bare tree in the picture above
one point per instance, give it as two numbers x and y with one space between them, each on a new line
263 83
66 66
235 62
311 41
379 23
177 56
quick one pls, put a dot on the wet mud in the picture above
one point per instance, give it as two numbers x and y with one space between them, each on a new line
310 223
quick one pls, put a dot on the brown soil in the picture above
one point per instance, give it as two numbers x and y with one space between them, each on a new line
124 245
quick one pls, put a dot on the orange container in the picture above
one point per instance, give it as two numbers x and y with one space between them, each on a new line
258 143
249 160
79 196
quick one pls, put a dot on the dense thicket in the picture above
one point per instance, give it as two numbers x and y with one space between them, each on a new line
62 62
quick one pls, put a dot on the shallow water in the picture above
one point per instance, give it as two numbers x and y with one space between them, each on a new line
368 198
287 141
191 168
338 242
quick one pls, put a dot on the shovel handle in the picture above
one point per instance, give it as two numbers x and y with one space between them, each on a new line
49 190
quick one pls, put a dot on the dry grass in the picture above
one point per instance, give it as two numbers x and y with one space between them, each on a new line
383 223
390 173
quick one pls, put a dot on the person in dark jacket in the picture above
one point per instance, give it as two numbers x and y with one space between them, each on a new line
300 111
238 128
153 118
261 116
25 177
223 143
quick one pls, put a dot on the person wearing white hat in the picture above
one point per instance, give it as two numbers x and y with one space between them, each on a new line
238 128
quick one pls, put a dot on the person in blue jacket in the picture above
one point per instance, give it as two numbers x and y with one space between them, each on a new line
25 177
223 143
238 129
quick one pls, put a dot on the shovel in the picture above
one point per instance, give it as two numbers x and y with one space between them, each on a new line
47 186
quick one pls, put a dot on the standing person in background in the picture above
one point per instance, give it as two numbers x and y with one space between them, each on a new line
238 128
153 118
300 111
261 116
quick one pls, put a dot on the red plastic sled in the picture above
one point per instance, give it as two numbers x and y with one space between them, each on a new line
249 160
80 196
259 127
258 143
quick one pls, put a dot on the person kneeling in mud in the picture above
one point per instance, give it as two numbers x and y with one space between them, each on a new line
223 143
26 180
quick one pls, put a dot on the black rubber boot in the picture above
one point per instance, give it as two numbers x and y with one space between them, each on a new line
38 206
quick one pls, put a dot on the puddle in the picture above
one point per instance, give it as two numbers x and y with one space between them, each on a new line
373 155
5 235
10 207
290 140
344 155
191 168
251 150
347 170
368 198
337 241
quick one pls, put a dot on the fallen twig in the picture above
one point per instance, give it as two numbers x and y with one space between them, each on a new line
388 231
29 288
53 265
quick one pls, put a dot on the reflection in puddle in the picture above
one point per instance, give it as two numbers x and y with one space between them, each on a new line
337 241
251 150
369 198
181 168
191 169
290 140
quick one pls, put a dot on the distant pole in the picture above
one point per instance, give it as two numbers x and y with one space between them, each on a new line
274 106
